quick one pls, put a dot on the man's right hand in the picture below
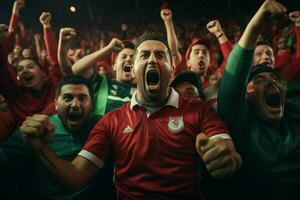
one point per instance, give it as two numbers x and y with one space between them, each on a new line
269 10
67 33
18 5
38 131
166 14
115 45
214 27
45 19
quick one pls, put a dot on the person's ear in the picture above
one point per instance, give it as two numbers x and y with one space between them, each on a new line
55 103
188 64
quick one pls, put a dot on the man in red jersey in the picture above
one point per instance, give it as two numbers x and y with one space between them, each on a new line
156 139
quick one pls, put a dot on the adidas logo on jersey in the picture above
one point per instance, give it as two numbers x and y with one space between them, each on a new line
128 129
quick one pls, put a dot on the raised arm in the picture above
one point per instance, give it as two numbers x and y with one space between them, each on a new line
65 36
232 92
215 28
49 38
38 45
166 15
85 66
14 20
38 131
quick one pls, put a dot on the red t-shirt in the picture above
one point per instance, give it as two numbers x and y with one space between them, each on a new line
155 155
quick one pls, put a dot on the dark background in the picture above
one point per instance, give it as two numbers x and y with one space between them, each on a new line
127 11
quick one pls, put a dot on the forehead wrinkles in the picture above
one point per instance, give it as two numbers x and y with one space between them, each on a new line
27 62
152 45
74 90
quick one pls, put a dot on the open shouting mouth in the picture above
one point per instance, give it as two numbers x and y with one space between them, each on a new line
152 79
272 99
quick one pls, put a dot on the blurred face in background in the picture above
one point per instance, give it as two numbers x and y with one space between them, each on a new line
263 54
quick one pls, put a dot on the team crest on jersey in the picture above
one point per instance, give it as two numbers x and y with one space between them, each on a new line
176 124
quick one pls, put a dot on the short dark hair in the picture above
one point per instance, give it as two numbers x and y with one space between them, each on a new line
191 77
260 68
152 36
76 80
262 42
33 59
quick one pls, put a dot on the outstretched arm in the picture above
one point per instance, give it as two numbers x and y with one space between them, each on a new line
166 15
49 38
65 36
232 92
85 66
215 28
15 17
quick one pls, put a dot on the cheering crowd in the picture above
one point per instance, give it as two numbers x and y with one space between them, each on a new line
173 111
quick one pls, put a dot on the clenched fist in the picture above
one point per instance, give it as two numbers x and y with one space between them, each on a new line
115 45
218 155
67 33
18 4
214 27
295 17
45 18
37 130
166 14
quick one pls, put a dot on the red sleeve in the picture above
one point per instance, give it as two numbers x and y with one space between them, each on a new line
211 122
49 110
226 48
51 45
14 21
8 81
291 69
99 142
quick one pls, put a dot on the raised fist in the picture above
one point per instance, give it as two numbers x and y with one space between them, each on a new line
271 9
45 18
67 33
18 4
166 14
115 45
37 130
218 155
214 27
295 17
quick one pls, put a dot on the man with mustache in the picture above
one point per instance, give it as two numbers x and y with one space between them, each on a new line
70 126
263 116
157 138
